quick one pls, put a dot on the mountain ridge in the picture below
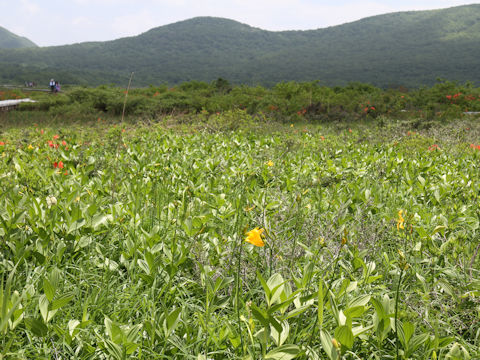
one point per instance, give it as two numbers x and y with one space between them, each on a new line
9 40
405 48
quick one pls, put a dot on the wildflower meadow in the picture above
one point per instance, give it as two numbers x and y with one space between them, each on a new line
229 234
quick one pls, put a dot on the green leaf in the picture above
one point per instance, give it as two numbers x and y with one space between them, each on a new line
408 330
265 286
113 349
132 333
355 311
381 314
43 306
275 284
297 311
361 300
418 340
421 180
320 304
284 352
36 326
48 289
367 194
280 337
76 225
100 220
72 325
61 301
260 314
172 320
327 345
130 348
345 336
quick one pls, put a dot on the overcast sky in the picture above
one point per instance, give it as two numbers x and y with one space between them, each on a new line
59 22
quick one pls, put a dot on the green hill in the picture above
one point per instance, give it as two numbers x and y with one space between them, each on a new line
405 48
9 40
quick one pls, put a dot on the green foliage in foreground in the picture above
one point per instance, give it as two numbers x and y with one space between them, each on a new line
130 244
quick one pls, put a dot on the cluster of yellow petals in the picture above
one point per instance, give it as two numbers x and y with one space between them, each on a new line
400 221
254 237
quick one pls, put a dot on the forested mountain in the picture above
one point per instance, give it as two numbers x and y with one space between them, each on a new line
9 40
405 48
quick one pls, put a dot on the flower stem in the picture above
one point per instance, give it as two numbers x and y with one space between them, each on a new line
396 312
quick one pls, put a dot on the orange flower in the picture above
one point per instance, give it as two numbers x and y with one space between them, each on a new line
2 143
58 165
64 143
254 237
55 137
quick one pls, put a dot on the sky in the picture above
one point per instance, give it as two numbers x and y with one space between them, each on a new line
60 22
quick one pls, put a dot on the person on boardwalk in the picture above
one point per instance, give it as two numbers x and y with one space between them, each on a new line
57 86
52 85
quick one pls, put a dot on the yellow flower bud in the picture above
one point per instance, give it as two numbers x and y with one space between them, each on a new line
336 344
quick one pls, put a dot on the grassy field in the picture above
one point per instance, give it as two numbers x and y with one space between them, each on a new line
128 240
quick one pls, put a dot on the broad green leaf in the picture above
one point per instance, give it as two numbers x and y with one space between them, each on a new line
61 301
114 350
284 352
43 306
36 326
48 289
361 300
355 311
345 336
131 333
327 345
265 286
280 337
130 348
408 330
172 320
72 325
418 340
100 219
260 314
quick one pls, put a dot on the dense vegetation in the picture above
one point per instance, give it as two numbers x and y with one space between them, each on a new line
284 102
218 232
408 48
9 40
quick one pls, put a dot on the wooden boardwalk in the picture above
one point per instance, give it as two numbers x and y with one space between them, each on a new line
6 105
